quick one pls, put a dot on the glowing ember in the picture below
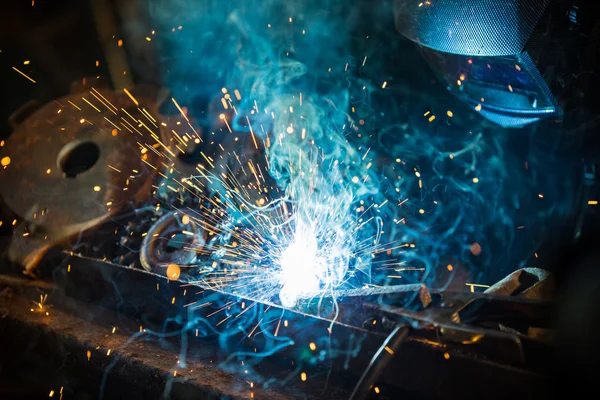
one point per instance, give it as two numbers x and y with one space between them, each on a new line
173 272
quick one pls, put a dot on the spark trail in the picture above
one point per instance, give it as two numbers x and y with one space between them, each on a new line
312 236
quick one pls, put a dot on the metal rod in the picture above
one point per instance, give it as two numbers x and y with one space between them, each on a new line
379 362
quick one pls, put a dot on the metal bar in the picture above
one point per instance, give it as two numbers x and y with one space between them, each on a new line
379 362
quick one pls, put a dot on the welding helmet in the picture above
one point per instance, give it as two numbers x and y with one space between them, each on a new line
514 61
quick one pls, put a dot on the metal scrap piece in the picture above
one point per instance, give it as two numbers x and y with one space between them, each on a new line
532 283
155 251
74 165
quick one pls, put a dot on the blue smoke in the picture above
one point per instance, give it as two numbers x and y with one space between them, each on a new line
474 205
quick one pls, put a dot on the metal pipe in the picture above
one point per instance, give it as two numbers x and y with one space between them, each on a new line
379 362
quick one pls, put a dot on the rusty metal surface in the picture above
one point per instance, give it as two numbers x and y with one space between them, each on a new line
531 283
35 185
75 163
62 339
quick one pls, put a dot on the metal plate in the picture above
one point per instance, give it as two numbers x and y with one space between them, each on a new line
45 181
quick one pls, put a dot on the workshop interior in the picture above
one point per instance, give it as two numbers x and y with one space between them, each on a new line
279 199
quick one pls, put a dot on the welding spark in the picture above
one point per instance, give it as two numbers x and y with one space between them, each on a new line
294 247
301 268
315 260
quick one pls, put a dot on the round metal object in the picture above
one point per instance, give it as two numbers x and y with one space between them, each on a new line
171 240
76 161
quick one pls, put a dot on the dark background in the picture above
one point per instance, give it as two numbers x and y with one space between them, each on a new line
60 39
